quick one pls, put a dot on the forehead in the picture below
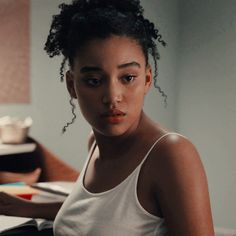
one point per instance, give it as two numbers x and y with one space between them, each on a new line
111 51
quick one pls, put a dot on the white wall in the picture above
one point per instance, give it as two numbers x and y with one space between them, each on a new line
207 95
50 108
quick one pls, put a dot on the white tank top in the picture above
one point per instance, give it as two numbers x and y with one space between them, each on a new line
116 212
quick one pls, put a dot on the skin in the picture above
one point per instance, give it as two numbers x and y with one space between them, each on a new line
16 206
172 182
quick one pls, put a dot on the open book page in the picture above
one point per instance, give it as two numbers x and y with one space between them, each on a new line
63 188
43 224
12 222
44 196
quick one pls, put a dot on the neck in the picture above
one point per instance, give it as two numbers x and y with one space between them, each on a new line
113 147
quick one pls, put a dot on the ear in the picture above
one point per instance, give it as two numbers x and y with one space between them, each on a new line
148 79
70 84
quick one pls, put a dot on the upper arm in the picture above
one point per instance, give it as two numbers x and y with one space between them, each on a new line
182 189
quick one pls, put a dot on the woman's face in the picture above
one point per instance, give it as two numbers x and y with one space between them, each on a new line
110 79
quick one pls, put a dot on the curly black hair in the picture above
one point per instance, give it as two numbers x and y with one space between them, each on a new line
83 20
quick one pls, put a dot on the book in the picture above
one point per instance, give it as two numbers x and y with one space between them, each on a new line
13 222
62 188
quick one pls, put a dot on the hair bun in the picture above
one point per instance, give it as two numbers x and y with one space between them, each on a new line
122 6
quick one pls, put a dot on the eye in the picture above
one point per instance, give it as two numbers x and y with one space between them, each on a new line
129 78
92 82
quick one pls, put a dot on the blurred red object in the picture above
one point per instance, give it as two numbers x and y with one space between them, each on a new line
25 196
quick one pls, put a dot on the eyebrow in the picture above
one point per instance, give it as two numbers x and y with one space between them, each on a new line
87 69
133 63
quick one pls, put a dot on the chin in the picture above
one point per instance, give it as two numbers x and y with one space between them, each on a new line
112 131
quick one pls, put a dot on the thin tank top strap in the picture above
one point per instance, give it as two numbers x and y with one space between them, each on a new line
90 153
154 144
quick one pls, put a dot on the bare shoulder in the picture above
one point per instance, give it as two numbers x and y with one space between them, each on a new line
181 186
177 155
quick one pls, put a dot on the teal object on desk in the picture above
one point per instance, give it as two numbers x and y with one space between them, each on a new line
14 184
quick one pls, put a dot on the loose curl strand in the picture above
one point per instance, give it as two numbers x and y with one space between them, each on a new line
73 107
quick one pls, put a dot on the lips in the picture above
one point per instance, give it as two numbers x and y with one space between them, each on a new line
114 116
113 113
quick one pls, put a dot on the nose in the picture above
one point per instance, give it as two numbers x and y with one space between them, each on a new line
112 94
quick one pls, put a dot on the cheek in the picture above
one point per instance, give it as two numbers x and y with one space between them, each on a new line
137 95
135 101
87 102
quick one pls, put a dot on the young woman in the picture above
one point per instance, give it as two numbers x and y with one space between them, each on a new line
139 178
